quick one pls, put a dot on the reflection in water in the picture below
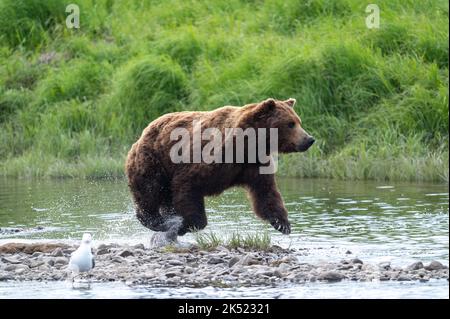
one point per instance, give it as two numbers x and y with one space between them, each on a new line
400 222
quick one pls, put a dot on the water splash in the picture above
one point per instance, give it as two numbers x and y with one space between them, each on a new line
161 239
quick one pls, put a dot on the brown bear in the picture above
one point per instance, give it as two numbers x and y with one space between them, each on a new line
162 188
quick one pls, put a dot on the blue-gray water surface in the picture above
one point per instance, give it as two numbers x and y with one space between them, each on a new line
375 221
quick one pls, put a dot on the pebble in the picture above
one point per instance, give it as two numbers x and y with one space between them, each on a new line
117 259
139 246
125 253
247 261
61 261
356 261
233 261
103 251
5 277
415 266
57 253
283 267
36 263
345 267
175 262
15 267
331 276
435 265
215 260
403 277
385 265
217 268
11 260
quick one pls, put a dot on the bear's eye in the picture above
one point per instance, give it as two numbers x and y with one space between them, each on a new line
291 124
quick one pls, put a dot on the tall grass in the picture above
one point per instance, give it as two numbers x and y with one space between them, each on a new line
73 101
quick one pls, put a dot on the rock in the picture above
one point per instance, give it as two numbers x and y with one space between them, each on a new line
278 249
102 246
348 252
278 273
289 259
50 262
415 266
331 276
175 262
57 252
56 276
403 277
385 278
117 259
139 246
435 265
345 267
15 267
172 274
61 261
36 263
5 277
11 260
233 261
68 251
356 261
385 265
126 253
11 267
19 271
102 251
215 260
283 268
12 248
188 270
247 260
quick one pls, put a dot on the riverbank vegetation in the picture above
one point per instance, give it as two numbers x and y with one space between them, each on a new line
72 101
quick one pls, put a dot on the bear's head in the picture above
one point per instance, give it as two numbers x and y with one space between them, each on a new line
278 114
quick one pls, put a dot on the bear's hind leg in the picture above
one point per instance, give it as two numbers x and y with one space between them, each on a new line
191 207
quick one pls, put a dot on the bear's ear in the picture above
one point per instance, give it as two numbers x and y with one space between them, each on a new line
267 105
291 102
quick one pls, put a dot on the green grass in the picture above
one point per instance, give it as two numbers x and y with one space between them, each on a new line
73 101
209 241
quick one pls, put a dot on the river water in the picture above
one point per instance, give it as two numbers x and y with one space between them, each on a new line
375 221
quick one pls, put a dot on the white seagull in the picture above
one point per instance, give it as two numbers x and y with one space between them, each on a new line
82 259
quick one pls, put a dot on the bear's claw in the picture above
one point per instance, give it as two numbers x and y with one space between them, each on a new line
282 226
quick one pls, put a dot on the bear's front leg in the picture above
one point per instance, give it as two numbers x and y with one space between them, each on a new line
267 202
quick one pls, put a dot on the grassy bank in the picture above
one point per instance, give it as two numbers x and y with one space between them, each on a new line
73 101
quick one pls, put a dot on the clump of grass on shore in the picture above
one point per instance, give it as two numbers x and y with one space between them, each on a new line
209 241
376 100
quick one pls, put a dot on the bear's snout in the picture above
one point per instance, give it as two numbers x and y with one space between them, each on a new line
306 143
